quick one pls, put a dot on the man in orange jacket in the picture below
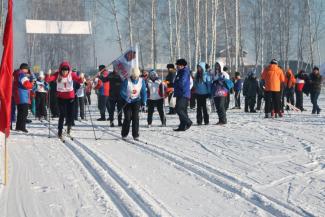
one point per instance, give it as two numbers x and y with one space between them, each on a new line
273 77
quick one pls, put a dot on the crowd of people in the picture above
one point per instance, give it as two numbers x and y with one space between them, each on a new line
66 92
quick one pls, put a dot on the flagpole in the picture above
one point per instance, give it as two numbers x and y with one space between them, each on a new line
5 163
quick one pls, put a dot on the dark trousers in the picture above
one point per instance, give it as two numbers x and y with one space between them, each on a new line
22 116
314 98
227 102
272 101
79 106
202 108
181 110
159 104
118 102
54 104
221 108
237 99
259 102
299 100
66 107
131 113
103 104
250 102
193 101
41 104
87 99
171 109
290 97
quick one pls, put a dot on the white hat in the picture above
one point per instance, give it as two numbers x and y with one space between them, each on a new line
41 74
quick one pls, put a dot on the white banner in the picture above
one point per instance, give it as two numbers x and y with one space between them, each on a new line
126 62
58 27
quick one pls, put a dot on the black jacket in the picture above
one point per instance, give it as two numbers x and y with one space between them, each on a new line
315 82
251 87
115 83
170 78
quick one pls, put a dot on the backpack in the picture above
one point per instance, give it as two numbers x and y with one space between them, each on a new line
229 84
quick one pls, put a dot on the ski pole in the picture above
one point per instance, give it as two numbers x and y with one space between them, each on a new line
91 120
49 111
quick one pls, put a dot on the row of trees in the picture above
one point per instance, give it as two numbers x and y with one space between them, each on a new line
193 29
198 29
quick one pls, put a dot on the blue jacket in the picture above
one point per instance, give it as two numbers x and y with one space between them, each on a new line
202 86
238 85
23 92
142 96
182 83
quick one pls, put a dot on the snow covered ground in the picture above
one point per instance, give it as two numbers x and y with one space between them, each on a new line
250 167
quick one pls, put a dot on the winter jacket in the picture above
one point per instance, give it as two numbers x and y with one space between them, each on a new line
104 89
134 91
182 84
300 82
238 83
219 88
273 77
88 87
315 82
290 79
115 83
22 87
64 84
202 82
41 86
170 79
251 87
156 89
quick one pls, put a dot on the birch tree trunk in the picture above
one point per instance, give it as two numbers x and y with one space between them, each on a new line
197 31
237 34
114 12
226 32
189 53
206 34
153 33
171 54
129 22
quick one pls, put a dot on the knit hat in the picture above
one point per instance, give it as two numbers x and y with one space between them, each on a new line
101 67
181 62
153 74
274 61
135 73
24 66
237 74
170 66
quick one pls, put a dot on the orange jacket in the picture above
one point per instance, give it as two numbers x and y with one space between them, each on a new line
273 77
290 80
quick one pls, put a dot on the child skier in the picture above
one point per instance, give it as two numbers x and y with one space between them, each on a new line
133 92
156 93
41 88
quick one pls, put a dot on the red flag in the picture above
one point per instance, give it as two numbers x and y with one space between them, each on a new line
6 71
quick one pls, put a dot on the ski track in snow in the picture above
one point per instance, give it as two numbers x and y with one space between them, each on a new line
275 168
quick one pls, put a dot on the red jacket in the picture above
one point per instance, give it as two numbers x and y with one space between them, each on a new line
54 77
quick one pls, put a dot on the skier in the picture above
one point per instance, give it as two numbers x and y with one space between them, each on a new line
219 93
65 78
103 92
115 82
182 92
289 88
300 83
238 82
315 82
133 92
202 86
250 90
170 78
156 92
273 77
88 89
41 88
22 88
80 100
